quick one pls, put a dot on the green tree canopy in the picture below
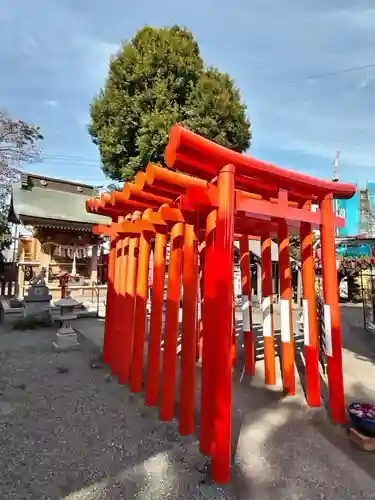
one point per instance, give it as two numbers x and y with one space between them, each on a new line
295 248
157 79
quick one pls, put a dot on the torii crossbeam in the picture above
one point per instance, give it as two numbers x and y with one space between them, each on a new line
216 196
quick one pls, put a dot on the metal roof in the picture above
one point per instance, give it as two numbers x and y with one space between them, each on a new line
51 205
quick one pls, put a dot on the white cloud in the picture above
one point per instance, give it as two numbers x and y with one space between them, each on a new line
367 81
270 48
52 103
29 44
290 110
98 54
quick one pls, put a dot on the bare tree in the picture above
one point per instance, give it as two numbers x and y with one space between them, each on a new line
19 144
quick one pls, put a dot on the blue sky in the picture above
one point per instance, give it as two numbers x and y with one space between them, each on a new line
54 57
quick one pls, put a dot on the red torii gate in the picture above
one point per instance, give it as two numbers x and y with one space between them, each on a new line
221 195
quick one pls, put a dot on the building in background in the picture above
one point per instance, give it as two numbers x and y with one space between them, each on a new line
350 210
367 210
359 212
55 231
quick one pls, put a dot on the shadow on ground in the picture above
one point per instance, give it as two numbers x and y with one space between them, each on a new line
71 432
355 337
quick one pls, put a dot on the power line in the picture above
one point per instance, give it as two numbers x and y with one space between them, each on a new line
71 157
327 74
74 161
71 164
55 158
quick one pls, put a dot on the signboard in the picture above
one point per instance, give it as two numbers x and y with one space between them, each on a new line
356 252
350 209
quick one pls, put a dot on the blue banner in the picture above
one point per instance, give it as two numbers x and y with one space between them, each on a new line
359 251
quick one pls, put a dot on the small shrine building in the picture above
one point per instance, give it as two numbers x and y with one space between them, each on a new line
60 231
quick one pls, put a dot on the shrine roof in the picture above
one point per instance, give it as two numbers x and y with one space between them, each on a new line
42 198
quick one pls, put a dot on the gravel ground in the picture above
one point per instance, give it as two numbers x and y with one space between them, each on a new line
68 431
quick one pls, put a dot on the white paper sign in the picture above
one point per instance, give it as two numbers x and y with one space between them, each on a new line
306 328
246 313
285 320
267 317
328 329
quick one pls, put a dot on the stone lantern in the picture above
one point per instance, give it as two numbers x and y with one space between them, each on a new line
66 336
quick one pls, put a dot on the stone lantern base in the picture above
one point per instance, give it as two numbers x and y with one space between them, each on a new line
66 339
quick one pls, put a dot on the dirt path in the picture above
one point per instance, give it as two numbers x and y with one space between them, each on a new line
71 432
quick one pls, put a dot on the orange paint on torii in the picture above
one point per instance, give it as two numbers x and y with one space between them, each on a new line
212 157
217 196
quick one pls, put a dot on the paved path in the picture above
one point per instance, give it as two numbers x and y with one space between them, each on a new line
69 432
283 449
358 355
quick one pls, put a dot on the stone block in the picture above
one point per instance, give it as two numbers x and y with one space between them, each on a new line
66 341
364 442
37 301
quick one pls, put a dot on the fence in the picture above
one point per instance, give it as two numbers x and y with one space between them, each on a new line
368 298
8 279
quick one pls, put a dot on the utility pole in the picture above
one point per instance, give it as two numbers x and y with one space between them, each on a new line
335 178
336 167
